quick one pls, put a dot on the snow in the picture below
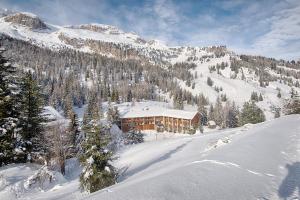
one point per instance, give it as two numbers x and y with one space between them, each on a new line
247 164
152 111
258 161
236 89
54 116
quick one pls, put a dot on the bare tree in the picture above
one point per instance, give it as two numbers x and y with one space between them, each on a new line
58 141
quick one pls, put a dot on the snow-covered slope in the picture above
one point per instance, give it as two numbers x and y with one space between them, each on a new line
113 42
252 162
259 161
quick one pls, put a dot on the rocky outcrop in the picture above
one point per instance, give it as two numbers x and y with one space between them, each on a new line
28 20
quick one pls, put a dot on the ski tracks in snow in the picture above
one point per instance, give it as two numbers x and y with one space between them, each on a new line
230 164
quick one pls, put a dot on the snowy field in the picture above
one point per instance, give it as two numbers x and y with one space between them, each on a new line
252 162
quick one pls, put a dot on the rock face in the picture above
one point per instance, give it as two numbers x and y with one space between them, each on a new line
27 20
100 28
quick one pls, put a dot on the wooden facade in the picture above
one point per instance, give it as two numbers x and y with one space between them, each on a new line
160 123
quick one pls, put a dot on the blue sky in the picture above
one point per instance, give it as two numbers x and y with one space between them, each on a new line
260 27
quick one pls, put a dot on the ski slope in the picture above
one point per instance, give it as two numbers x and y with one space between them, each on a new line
259 161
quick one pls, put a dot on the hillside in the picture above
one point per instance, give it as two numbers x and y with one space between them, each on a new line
255 161
233 75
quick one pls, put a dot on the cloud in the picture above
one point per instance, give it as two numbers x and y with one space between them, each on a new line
283 38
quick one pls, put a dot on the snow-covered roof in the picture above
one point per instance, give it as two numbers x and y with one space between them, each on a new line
151 111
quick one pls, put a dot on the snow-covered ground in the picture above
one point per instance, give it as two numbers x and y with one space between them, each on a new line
259 161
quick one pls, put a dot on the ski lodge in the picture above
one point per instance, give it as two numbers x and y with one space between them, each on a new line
159 119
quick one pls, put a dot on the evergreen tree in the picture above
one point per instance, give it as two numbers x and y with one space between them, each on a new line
133 136
292 106
129 96
93 110
209 81
97 171
73 134
31 118
279 94
251 113
277 112
9 106
254 96
232 116
218 112
203 113
260 98
68 106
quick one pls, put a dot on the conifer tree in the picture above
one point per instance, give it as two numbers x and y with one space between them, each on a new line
260 98
9 106
96 159
279 94
218 112
232 116
134 136
31 118
292 106
93 110
73 134
203 113
251 113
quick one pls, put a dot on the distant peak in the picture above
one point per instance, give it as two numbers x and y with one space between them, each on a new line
26 19
101 28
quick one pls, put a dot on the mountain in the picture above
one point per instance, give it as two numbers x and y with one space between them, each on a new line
234 76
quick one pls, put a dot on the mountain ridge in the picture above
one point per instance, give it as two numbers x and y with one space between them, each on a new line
235 76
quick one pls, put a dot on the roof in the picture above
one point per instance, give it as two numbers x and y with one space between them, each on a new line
155 111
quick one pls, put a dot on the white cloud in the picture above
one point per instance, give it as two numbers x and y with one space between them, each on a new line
283 38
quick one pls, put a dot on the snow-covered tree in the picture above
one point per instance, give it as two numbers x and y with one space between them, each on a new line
96 159
9 107
292 106
73 135
93 110
31 118
57 141
133 136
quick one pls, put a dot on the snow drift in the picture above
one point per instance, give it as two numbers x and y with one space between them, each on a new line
259 161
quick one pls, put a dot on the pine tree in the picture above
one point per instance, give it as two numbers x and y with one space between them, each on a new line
203 113
292 106
232 116
279 94
97 171
251 113
254 96
133 136
73 134
110 114
209 81
93 110
8 110
31 118
129 96
260 98
218 112
277 112
68 106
